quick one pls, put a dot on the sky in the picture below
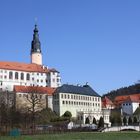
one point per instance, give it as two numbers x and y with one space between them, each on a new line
94 41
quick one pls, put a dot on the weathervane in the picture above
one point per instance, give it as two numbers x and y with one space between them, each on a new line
35 20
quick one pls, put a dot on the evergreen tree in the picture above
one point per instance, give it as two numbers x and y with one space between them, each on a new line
87 121
94 121
124 120
101 122
135 120
130 121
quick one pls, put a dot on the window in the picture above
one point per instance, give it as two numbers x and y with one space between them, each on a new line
22 76
37 80
71 96
33 79
28 76
10 75
63 102
37 73
40 96
5 77
57 80
19 95
16 75
41 81
62 96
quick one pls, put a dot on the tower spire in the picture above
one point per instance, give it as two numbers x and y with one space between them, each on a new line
36 56
35 46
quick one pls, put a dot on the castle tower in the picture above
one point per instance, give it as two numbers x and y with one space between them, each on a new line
36 55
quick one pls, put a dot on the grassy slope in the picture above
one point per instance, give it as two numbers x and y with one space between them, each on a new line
81 136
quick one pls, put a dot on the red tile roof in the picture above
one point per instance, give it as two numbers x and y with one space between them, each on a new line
106 101
25 67
133 98
42 90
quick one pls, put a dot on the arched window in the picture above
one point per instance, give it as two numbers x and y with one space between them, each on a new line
28 76
22 76
10 75
16 75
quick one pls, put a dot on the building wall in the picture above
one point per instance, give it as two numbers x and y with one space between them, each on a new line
36 58
54 79
49 101
22 102
129 107
75 103
36 79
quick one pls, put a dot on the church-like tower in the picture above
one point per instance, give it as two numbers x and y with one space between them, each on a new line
36 55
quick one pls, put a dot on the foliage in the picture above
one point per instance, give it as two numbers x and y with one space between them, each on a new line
101 122
45 116
124 120
133 89
130 121
94 121
115 118
59 119
135 120
67 114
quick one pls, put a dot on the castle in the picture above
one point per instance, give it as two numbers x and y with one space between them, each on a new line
33 74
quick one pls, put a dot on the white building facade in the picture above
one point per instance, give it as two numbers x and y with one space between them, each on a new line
83 102
129 107
33 74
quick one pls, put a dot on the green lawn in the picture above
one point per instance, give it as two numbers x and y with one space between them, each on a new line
80 136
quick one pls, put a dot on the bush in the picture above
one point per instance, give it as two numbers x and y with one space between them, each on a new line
67 114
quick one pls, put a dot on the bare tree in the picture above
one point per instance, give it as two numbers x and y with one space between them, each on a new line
35 102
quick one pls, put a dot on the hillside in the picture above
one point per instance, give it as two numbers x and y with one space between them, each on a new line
133 89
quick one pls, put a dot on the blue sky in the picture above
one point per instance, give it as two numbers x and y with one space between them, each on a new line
95 41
